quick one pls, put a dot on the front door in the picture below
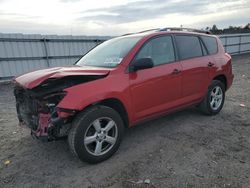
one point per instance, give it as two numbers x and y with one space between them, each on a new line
156 89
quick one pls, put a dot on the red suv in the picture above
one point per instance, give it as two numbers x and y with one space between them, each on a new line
120 83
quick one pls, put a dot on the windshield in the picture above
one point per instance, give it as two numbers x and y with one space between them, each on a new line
110 53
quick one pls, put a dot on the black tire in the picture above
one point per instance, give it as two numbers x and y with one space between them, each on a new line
205 106
82 124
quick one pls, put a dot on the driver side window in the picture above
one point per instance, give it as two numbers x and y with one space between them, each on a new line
160 50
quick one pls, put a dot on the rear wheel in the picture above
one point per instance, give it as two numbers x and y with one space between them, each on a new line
214 99
96 134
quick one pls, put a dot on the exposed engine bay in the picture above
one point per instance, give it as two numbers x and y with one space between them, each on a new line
37 107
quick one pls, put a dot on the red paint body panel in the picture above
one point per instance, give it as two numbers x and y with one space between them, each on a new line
146 93
42 129
155 90
33 79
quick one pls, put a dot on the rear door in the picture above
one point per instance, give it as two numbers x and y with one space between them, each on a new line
156 89
211 45
194 62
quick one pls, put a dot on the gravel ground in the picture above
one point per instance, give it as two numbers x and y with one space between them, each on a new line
185 149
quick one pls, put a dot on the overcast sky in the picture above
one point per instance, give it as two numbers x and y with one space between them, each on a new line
114 17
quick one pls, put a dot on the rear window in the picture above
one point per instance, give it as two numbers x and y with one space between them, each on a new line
211 44
188 46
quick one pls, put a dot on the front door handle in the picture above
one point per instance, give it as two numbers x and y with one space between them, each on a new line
210 64
176 71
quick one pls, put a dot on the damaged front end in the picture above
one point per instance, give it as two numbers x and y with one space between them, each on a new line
37 107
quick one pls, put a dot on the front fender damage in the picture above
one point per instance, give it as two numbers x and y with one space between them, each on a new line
37 107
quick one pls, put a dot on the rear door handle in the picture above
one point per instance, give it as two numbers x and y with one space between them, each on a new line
176 71
210 64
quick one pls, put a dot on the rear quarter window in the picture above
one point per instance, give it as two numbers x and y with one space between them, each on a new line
188 46
211 44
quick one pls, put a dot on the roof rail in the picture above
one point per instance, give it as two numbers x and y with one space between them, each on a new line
185 29
128 34
157 29
172 29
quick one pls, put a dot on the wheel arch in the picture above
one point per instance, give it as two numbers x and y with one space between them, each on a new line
117 105
221 78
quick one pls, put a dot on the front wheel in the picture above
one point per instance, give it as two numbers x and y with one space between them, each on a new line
96 134
214 99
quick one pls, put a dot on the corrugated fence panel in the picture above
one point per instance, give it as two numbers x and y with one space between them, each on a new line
24 53
236 43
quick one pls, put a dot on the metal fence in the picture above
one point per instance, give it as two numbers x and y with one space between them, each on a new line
24 53
236 43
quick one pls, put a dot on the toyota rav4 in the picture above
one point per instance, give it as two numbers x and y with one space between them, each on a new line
120 83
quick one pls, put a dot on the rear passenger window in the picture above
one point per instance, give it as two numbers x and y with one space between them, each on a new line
160 49
188 46
211 44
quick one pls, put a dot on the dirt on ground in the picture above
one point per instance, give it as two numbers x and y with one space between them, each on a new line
184 149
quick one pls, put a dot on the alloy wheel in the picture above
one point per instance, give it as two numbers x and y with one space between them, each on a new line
100 136
216 98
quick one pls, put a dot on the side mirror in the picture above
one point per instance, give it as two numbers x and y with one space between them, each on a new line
142 63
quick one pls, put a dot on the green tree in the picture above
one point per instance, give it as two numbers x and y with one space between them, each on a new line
247 26
214 28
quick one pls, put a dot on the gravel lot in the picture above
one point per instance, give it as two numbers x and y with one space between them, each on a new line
185 149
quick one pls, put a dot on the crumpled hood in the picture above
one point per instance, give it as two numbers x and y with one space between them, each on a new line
33 79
